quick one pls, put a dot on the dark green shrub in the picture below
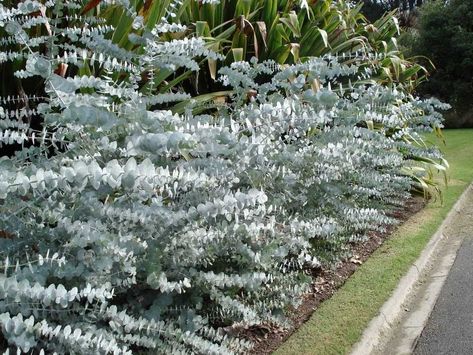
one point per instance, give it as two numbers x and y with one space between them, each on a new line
445 35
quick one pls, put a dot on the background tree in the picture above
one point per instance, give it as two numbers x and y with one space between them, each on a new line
445 35
374 9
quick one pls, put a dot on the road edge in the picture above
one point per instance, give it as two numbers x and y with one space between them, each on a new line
392 309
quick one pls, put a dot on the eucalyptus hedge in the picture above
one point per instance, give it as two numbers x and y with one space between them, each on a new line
127 228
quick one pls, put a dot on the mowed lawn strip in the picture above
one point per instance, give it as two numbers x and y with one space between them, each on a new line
339 322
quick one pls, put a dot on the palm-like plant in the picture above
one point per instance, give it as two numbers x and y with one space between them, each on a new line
286 31
291 31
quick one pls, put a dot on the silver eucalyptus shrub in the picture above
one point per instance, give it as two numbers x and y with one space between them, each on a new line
129 228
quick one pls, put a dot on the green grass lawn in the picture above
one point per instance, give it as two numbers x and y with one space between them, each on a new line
339 322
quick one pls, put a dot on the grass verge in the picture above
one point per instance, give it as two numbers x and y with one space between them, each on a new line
339 322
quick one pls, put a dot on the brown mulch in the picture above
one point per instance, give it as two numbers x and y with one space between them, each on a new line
325 283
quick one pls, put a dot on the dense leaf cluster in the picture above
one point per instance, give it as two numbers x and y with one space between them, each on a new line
127 227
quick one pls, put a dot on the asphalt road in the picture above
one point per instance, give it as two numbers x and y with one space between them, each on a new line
449 329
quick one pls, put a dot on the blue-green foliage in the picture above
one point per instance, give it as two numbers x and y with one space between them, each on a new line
128 228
